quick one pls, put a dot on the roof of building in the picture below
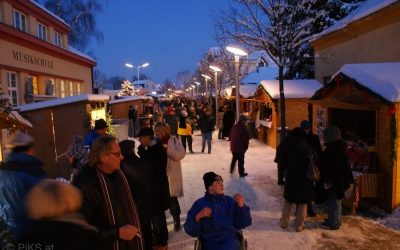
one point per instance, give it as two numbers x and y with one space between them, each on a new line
367 8
77 52
246 90
49 12
261 73
62 101
302 88
381 78
130 98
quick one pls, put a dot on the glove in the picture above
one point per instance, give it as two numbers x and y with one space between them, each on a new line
349 192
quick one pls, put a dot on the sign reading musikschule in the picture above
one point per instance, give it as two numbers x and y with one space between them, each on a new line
35 60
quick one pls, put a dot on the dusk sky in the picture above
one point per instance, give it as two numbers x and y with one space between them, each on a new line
171 35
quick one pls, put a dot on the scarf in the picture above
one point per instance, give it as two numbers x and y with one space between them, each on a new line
136 242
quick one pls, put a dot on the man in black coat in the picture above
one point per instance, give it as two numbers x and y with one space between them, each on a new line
152 152
228 121
138 175
132 116
108 203
335 174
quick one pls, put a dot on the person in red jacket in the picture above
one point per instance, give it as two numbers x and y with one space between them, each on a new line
239 144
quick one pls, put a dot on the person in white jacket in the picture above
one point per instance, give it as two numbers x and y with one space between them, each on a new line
176 152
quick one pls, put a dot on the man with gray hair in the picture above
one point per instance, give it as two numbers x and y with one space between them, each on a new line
239 144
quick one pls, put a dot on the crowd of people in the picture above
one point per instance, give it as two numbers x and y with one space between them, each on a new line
295 156
117 197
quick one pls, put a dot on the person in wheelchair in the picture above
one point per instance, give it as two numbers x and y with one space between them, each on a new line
217 218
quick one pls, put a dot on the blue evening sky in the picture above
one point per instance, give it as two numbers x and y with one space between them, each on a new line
172 35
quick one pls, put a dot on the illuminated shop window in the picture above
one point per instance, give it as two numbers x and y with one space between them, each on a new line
78 88
19 20
35 85
12 87
62 88
71 88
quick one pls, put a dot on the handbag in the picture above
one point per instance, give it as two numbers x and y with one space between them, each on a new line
313 170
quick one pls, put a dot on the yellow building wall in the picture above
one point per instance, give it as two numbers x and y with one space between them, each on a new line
375 39
55 68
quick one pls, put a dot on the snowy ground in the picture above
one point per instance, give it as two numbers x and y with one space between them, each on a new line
264 197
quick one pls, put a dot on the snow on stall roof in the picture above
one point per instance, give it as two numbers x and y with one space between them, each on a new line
130 98
367 8
246 90
49 12
302 88
262 73
75 51
381 78
62 101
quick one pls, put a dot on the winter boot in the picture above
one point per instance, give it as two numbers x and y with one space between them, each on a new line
177 223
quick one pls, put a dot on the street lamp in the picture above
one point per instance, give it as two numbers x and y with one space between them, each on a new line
216 70
207 78
137 67
198 89
237 52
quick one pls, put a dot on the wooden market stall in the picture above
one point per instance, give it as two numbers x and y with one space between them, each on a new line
56 122
119 107
297 93
363 101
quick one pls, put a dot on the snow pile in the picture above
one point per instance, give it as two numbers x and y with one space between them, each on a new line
393 220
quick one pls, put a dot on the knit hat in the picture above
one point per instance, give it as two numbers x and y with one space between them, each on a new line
209 179
305 125
100 124
19 140
332 134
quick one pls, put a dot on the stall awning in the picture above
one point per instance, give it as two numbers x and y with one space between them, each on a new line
13 120
382 79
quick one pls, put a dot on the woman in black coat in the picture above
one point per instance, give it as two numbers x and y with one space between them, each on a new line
299 189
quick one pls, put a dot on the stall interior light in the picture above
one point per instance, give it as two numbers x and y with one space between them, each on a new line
235 50
215 68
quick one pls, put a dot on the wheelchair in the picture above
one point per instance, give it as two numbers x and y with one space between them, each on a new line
242 242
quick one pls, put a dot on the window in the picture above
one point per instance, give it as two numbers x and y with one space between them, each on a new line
62 88
71 88
35 85
58 39
19 20
78 88
42 31
12 87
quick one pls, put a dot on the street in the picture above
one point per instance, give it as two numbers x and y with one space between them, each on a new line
264 197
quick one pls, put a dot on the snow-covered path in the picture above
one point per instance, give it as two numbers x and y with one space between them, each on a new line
264 197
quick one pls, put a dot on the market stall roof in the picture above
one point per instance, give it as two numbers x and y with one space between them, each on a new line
62 101
367 8
246 90
381 78
130 98
13 120
262 73
302 88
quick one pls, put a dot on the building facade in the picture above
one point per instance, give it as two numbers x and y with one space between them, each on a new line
36 61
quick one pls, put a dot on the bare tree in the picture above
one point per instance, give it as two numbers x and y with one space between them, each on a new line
184 78
272 26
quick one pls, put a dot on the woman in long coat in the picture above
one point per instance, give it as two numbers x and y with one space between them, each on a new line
299 189
176 153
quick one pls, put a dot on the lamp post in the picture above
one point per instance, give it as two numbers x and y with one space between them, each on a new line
216 70
206 77
137 67
237 52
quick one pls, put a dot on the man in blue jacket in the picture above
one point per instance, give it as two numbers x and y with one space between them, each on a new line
216 218
20 172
